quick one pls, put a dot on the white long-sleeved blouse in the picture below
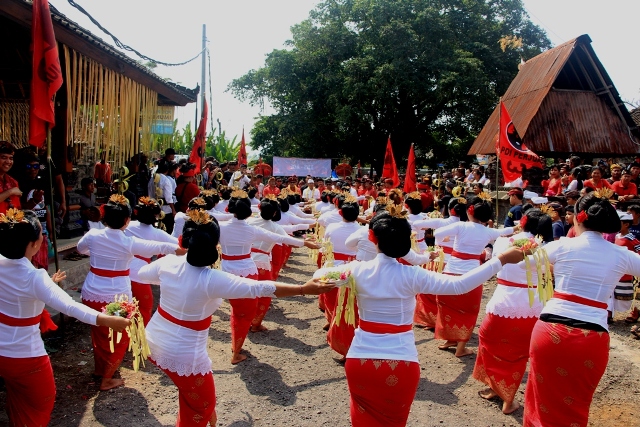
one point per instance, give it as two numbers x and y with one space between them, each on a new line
261 259
148 233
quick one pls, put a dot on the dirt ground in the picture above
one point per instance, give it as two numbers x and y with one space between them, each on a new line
292 379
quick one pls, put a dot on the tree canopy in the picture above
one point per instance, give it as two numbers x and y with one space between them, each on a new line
427 72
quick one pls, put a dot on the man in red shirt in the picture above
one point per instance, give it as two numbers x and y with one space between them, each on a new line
9 190
625 189
271 188
426 196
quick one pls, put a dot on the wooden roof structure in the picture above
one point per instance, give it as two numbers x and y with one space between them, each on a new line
563 100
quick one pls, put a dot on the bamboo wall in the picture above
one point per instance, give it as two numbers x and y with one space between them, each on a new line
14 122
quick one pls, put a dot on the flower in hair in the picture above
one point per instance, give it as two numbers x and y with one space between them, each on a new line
239 194
199 216
471 210
12 216
582 217
523 221
119 199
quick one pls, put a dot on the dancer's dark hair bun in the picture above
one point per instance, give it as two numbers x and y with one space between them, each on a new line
201 237
116 212
268 209
240 205
414 203
350 210
601 215
17 230
147 210
539 224
482 210
459 206
393 234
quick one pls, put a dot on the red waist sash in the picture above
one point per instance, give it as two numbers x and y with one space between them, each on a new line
343 257
462 255
197 325
447 249
259 251
580 300
43 319
383 328
420 240
147 260
109 273
402 261
235 257
511 284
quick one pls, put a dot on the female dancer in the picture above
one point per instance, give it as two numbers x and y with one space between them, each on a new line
24 364
457 315
190 293
236 238
382 364
570 342
111 252
147 212
505 332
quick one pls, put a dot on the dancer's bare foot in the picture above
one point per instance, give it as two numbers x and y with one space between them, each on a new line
447 345
464 352
259 328
213 420
237 358
487 393
509 408
109 383
343 360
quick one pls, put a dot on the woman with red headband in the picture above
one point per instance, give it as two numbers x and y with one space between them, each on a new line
24 364
111 252
382 363
457 315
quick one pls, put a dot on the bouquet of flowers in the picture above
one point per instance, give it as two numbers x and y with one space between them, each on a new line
340 277
437 264
543 267
137 339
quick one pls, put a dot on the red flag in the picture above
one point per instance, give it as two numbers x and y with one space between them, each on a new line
242 154
46 75
410 178
199 144
389 169
514 155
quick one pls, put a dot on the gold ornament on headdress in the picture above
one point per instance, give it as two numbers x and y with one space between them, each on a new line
284 193
414 195
397 211
350 199
382 201
546 209
239 194
395 191
485 196
270 197
209 193
119 199
12 216
462 200
199 201
603 193
199 216
147 201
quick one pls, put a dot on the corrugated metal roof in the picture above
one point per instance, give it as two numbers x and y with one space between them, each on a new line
595 125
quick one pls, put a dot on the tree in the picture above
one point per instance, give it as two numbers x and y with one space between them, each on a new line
423 71
218 146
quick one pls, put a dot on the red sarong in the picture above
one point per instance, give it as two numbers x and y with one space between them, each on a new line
142 292
196 398
277 260
457 315
329 300
243 311
41 258
340 337
382 391
426 310
503 353
566 365
263 302
31 390
106 363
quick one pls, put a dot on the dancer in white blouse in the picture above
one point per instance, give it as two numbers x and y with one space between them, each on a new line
382 363
111 253
236 239
505 332
190 293
457 315
147 213
570 343
325 202
24 364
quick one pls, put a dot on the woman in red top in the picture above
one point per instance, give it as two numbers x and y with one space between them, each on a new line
596 180
554 185
9 191
187 189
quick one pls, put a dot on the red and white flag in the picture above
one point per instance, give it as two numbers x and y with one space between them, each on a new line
514 155
199 144
46 76
389 170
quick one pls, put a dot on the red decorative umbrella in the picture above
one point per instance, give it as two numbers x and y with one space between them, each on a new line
344 170
262 168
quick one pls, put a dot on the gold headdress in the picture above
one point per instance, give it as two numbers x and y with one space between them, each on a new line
199 201
12 217
239 194
119 199
147 201
350 199
198 216
209 193
270 197
397 211
485 196
284 193
462 200
603 193
546 209
382 201
414 195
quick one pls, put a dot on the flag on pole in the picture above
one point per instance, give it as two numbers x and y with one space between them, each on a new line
389 170
410 184
514 155
199 144
242 154
46 74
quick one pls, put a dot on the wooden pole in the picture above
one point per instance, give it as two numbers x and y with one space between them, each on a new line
54 240
498 163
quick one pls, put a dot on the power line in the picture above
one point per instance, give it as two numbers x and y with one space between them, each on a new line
123 46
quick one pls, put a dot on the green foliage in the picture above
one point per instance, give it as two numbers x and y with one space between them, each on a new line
223 148
218 146
423 71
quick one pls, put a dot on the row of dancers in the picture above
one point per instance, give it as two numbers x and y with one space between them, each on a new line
381 358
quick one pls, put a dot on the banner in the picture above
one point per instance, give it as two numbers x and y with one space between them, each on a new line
513 153
287 166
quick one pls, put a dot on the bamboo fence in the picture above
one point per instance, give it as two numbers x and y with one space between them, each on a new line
14 122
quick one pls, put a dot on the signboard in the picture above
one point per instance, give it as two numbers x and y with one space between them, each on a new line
287 166
163 123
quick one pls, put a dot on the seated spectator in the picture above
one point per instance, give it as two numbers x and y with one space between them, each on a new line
625 189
